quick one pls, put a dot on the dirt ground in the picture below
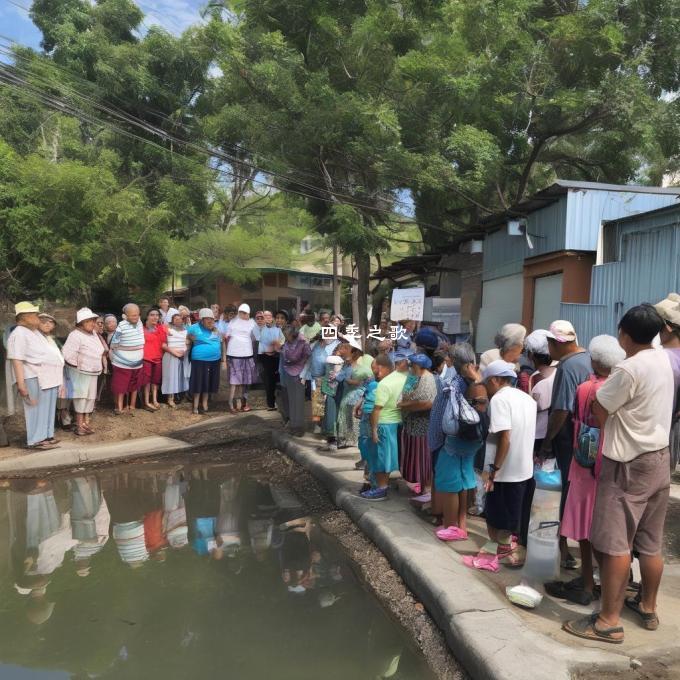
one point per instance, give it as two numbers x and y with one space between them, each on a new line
110 428
652 670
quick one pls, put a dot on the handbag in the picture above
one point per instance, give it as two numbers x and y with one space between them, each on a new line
458 414
588 437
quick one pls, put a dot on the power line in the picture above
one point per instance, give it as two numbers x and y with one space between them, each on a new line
51 102
294 175
212 152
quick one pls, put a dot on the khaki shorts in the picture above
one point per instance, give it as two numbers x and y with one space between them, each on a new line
630 505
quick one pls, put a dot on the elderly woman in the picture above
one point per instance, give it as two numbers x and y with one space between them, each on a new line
270 342
358 375
85 359
185 313
294 355
127 359
155 336
47 326
37 372
454 475
415 405
110 325
207 351
176 368
242 371
509 343
605 353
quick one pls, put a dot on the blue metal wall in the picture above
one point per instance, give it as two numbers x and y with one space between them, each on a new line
649 269
504 255
589 320
588 208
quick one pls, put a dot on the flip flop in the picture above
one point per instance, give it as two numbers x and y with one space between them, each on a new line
482 562
246 408
649 620
585 628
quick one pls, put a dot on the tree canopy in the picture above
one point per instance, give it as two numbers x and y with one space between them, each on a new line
127 152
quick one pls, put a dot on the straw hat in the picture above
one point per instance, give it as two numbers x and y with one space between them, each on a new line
669 309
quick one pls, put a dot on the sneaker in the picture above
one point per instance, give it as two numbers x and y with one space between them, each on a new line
329 448
377 494
451 534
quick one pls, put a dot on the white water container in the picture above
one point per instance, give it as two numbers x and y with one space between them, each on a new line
543 553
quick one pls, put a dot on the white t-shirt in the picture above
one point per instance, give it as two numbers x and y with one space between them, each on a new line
33 349
542 394
638 395
511 409
241 334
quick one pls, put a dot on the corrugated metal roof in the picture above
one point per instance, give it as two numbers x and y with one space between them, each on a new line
561 187
659 212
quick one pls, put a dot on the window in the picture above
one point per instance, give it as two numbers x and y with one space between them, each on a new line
269 279
283 280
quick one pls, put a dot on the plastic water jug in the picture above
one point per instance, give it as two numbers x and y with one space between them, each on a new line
543 553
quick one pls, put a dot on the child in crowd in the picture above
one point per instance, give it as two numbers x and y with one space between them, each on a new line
363 411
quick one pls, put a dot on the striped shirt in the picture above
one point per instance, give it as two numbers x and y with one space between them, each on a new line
177 339
127 345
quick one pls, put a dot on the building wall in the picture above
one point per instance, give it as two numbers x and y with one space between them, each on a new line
646 270
504 255
588 208
575 269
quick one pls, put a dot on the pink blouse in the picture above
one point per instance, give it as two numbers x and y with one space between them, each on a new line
84 351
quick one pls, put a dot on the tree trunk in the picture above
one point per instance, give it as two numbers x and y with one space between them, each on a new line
363 261
336 282
355 294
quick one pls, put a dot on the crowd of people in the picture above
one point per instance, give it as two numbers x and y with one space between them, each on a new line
465 435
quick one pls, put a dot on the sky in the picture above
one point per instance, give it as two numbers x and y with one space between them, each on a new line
173 15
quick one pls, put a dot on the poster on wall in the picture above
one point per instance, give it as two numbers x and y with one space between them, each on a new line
407 303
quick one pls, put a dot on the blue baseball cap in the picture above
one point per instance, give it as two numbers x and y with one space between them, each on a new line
421 360
401 355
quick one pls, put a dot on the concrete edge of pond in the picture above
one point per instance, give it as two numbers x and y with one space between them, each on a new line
482 629
82 454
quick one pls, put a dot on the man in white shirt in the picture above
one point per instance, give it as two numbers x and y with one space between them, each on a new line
635 407
509 458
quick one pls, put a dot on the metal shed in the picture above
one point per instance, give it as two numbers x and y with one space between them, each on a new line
529 276
639 258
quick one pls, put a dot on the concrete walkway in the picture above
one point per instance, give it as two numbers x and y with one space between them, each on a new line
29 463
492 638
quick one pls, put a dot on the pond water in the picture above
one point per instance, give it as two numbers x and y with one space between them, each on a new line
182 572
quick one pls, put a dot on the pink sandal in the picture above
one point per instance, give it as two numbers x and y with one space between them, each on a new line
451 534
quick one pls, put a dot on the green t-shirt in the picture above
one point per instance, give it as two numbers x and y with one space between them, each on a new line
387 395
367 360
310 332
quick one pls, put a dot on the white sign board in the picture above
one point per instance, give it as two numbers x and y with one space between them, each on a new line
407 303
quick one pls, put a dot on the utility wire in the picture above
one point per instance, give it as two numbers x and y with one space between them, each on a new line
52 102
213 152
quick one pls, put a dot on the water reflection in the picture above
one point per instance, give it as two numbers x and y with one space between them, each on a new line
215 557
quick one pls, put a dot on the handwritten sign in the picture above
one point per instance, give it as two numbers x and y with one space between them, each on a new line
407 303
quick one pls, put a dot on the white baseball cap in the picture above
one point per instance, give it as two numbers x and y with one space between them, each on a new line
499 369
84 314
243 307
206 313
562 331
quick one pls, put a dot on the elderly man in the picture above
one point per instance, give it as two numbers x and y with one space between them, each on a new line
635 407
127 359
574 368
509 343
509 458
